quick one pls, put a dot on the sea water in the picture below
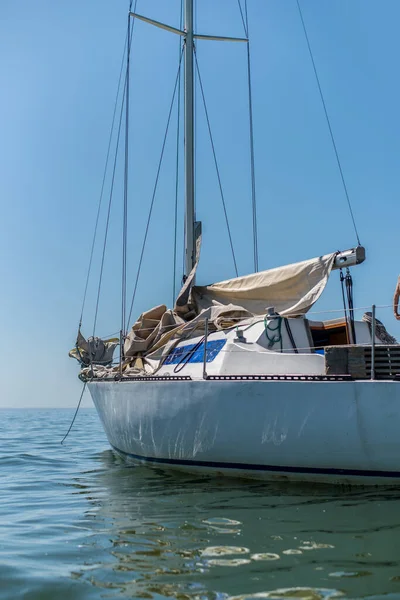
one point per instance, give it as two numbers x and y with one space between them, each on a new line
76 522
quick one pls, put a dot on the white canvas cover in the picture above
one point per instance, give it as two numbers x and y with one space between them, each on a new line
291 290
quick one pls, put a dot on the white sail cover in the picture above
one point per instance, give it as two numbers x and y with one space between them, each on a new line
291 290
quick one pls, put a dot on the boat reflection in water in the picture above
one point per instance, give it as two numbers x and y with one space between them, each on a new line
155 534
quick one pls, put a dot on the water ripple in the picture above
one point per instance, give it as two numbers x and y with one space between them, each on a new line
76 522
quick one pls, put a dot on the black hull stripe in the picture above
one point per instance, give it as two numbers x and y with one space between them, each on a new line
255 467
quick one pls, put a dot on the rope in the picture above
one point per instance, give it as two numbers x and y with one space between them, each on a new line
177 167
337 310
111 335
216 162
380 330
329 124
102 185
276 332
155 189
76 412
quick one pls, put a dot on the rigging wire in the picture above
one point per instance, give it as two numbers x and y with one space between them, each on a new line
103 184
108 216
329 123
126 174
216 162
155 188
177 166
195 114
251 133
111 192
245 20
242 17
246 14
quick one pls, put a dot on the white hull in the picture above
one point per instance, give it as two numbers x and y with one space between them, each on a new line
321 431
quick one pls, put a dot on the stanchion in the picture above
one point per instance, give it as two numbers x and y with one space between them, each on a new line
205 350
373 327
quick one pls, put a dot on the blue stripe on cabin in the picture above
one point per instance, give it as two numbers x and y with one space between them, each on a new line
178 354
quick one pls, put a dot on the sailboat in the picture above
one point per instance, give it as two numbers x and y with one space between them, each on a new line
236 380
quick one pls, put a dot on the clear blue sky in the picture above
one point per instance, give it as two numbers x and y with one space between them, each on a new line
59 66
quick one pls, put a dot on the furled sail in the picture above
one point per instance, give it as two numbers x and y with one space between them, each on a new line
93 351
158 327
291 290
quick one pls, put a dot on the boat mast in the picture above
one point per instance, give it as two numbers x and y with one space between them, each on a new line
190 250
188 34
